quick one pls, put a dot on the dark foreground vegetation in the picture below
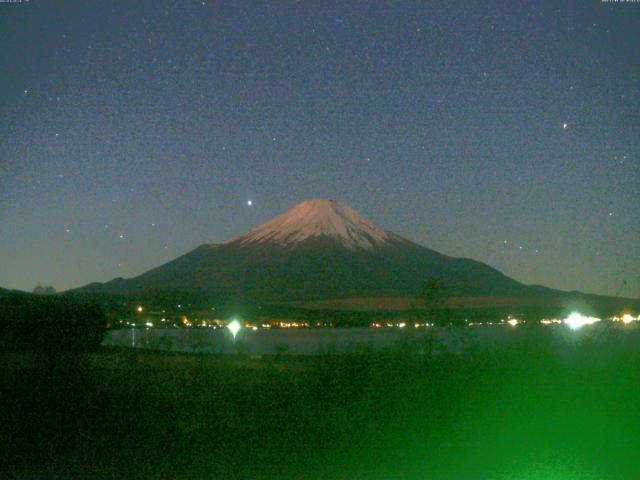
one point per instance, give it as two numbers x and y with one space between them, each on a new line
518 413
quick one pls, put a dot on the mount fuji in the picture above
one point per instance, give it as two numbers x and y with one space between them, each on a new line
319 250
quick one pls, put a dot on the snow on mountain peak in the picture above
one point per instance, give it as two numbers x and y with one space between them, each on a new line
318 218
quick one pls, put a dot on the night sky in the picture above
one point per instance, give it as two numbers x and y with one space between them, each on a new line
132 132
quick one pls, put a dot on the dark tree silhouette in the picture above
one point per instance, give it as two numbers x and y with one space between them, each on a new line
50 324
434 297
44 289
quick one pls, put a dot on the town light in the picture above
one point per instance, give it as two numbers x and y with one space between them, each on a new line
140 309
234 327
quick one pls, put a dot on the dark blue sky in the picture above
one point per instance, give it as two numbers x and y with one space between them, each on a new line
132 132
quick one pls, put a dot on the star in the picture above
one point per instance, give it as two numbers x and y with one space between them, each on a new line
68 230
249 202
26 92
565 125
121 235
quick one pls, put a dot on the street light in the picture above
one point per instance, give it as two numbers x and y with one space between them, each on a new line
234 327
575 321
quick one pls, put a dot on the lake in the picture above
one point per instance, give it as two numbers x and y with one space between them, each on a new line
314 341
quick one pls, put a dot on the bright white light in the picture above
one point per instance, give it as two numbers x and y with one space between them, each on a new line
149 324
513 322
249 202
139 309
234 327
576 321
627 318
255 328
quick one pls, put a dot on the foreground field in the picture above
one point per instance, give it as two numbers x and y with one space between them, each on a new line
516 413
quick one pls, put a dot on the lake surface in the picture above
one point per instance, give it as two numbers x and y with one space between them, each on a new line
314 341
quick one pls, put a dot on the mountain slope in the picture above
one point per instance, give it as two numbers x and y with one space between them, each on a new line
320 249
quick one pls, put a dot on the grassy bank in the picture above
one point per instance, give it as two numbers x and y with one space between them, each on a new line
517 413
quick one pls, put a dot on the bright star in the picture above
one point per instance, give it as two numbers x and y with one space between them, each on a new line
565 125
249 202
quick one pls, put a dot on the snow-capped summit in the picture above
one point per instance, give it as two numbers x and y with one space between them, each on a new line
319 218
